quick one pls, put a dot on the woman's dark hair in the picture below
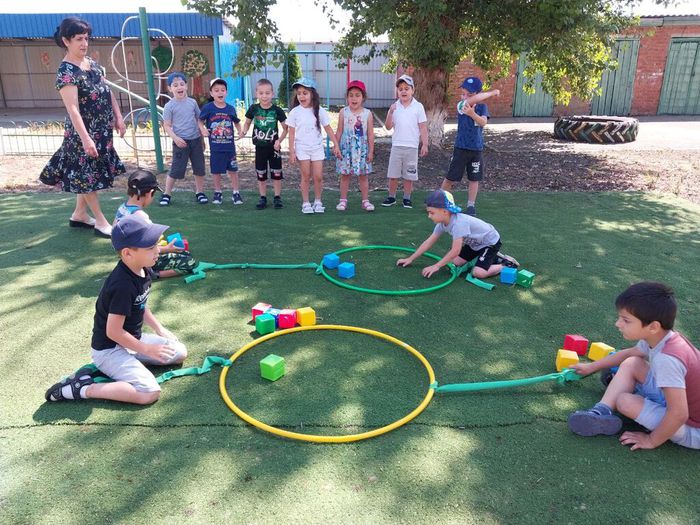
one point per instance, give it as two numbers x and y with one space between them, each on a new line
315 103
649 301
70 27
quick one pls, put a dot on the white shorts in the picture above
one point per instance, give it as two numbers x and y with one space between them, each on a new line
122 364
310 153
650 417
403 163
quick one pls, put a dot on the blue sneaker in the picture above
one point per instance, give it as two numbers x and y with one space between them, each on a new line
590 423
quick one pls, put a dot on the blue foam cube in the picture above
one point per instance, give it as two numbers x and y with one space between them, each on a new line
274 312
178 240
346 270
509 275
331 261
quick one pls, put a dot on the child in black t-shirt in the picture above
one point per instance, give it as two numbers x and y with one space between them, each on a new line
119 348
264 116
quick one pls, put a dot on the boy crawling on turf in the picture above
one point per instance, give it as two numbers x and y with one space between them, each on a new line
658 382
471 237
119 348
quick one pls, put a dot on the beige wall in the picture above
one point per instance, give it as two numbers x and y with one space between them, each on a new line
28 69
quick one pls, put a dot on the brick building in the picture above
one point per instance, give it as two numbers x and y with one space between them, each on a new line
658 73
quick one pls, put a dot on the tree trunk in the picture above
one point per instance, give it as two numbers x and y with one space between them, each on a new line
431 91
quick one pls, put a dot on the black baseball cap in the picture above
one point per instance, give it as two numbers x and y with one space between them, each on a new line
136 231
143 181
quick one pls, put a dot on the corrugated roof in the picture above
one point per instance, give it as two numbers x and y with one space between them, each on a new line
110 24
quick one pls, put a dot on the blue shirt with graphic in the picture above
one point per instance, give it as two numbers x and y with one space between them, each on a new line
220 124
469 134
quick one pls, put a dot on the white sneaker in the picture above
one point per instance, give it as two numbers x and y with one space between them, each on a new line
318 207
307 208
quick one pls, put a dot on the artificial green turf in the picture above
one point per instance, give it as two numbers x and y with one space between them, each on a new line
493 457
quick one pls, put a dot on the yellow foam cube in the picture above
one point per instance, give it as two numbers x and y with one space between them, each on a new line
306 316
599 351
566 358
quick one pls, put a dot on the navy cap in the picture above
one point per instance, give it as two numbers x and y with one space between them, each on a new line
441 199
175 75
136 231
472 84
143 181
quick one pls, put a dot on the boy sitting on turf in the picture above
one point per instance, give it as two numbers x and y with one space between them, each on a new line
658 382
119 348
471 237
173 261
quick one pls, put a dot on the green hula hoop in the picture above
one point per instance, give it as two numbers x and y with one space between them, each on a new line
453 270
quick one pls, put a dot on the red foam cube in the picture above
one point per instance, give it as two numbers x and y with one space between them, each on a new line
287 318
577 343
260 309
186 243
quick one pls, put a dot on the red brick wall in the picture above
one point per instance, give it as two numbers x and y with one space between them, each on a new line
651 62
653 51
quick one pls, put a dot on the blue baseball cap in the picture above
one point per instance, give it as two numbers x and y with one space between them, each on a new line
176 74
306 82
472 84
442 199
136 231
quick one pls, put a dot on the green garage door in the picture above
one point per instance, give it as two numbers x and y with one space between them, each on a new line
539 104
680 94
618 84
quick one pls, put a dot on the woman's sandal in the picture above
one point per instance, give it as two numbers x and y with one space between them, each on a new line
90 224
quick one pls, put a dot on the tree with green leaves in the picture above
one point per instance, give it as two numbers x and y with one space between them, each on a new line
291 72
568 41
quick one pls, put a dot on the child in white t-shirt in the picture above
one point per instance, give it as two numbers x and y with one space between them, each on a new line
305 121
407 117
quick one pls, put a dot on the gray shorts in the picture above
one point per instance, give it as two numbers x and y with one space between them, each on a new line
122 364
194 152
654 411
403 163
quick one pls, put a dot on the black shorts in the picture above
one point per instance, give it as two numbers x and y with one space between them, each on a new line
268 156
194 152
485 256
468 159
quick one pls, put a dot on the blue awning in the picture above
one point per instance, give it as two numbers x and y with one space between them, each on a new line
110 24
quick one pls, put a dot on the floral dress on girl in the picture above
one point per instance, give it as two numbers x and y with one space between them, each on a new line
354 144
70 165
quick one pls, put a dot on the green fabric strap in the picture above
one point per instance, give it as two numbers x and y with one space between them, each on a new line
199 271
208 363
560 377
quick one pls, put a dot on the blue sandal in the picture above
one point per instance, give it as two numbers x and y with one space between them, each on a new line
82 377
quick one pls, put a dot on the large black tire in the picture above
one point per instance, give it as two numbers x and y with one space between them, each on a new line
596 129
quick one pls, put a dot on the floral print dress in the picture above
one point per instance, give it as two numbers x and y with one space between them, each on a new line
70 165
354 143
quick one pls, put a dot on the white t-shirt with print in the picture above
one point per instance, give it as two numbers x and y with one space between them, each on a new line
303 120
406 120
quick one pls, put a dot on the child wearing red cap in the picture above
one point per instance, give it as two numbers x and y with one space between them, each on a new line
355 135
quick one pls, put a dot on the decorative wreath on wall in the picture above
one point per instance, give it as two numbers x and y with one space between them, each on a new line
194 65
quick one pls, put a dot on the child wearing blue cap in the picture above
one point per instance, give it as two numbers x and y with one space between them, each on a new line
472 116
120 349
471 238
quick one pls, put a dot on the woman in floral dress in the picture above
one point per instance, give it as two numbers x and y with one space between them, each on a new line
86 161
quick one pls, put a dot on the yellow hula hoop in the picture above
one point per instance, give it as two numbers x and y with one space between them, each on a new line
332 438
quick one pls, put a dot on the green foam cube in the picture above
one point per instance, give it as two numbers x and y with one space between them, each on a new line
525 278
272 367
265 324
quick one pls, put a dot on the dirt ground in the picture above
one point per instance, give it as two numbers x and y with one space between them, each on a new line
518 157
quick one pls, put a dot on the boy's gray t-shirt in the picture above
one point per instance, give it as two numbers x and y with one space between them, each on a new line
184 116
668 371
477 234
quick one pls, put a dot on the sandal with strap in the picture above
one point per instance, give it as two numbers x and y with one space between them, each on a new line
342 205
84 376
367 206
164 200
201 198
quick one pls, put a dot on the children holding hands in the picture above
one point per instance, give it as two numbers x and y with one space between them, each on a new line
305 121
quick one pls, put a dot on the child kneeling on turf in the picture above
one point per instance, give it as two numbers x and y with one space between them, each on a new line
658 382
119 348
471 238
173 261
